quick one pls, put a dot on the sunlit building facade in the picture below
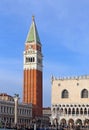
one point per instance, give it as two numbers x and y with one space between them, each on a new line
70 100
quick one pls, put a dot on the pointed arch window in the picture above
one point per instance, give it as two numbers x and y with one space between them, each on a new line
73 111
81 111
85 111
84 93
69 111
77 111
65 94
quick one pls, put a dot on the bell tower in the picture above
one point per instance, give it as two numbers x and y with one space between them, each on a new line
32 87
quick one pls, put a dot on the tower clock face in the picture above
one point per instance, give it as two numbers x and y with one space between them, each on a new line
31 51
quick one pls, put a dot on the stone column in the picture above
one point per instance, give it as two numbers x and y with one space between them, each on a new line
16 98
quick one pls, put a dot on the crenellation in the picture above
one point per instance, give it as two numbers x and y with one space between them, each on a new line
72 77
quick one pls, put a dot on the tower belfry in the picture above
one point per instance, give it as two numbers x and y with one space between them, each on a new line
32 89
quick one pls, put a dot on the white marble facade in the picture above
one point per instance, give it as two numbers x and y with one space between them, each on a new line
70 100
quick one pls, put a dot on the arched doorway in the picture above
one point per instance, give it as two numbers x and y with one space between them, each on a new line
71 122
86 122
63 121
78 122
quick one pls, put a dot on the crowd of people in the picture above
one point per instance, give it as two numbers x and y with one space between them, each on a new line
60 127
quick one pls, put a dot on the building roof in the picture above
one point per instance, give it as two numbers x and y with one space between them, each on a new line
33 35
46 108
5 94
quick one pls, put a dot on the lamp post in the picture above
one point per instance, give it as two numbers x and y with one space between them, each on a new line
16 98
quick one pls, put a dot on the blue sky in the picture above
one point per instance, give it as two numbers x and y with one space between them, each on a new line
63 27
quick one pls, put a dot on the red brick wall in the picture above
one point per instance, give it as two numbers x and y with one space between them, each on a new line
32 90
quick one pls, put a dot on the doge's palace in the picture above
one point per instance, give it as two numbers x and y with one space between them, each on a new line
70 100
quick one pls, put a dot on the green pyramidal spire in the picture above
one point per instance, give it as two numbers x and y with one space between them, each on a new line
33 33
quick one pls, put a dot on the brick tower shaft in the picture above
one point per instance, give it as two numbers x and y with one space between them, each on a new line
32 87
